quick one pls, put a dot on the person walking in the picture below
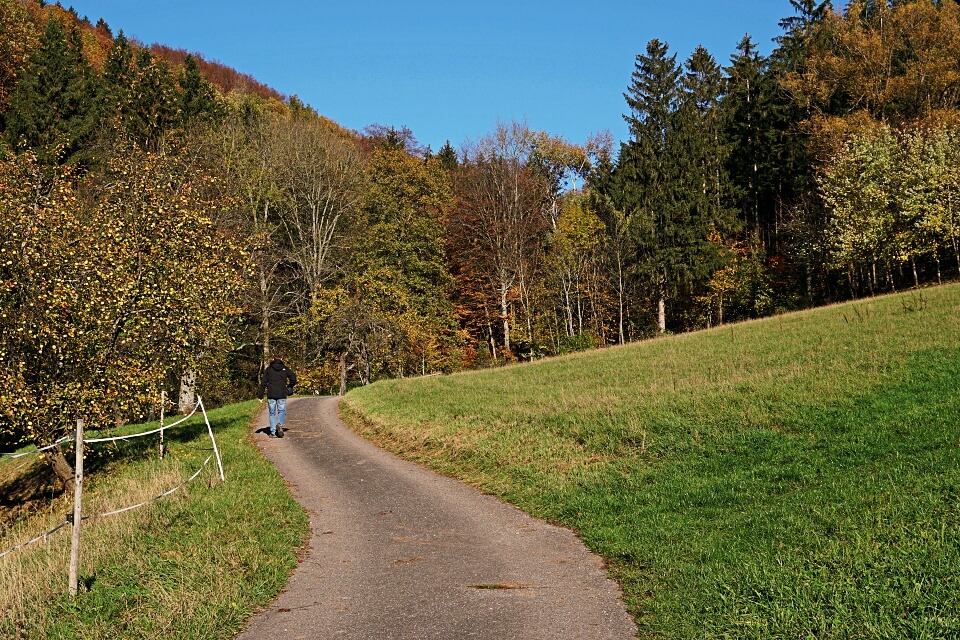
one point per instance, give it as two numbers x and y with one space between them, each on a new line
277 383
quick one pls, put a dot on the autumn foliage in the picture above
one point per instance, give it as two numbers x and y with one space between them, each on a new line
111 286
169 215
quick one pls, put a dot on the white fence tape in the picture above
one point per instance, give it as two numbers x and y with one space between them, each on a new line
95 440
112 513
145 433
159 497
36 451
37 539
216 453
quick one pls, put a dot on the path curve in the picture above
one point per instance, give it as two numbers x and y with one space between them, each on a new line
398 552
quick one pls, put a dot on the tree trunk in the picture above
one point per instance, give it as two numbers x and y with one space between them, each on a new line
662 304
187 398
620 285
267 347
956 252
579 299
504 314
343 373
568 307
62 469
491 343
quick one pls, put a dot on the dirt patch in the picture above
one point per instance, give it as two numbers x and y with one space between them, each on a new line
25 487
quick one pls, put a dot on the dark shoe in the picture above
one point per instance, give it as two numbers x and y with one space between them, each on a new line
279 432
271 434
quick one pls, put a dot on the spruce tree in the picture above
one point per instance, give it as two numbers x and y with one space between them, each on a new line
651 173
751 131
704 218
155 101
448 157
198 102
52 108
117 85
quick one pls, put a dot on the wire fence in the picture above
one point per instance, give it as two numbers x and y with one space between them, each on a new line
71 518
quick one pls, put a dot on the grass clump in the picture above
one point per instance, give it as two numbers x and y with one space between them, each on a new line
792 477
195 564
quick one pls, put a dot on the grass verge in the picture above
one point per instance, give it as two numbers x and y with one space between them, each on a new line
196 564
787 478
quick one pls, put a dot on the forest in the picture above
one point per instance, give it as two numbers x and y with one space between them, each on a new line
168 223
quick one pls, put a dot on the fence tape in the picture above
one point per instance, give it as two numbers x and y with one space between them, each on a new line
145 433
111 513
93 440
36 451
37 539
145 502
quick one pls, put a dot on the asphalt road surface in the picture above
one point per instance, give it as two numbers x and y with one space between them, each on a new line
398 552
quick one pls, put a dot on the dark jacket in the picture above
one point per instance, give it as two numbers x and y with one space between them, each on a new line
277 381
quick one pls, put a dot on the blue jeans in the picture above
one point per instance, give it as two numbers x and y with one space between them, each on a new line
278 412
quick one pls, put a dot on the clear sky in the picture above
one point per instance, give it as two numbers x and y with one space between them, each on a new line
448 70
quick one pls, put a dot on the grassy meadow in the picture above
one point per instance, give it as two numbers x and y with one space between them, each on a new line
195 564
795 477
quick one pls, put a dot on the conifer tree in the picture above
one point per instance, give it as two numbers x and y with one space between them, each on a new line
448 157
646 163
701 121
116 85
750 130
664 170
198 101
52 110
155 101
707 222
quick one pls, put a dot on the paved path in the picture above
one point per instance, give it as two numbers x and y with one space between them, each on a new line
400 553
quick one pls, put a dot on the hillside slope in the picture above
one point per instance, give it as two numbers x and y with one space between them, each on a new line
796 476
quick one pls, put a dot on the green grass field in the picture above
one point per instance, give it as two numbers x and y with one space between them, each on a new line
796 477
193 565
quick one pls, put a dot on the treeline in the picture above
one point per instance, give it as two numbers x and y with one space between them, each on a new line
161 229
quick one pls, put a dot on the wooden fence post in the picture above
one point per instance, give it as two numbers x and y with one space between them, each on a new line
163 405
77 512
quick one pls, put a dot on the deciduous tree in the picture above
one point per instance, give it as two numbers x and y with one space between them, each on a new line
110 286
496 230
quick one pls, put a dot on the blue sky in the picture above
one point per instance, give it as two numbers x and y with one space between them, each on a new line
446 69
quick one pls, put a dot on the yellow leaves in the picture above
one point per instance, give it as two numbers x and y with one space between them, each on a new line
108 290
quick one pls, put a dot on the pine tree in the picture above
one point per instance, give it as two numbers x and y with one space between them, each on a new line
198 101
751 131
650 172
155 101
52 109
